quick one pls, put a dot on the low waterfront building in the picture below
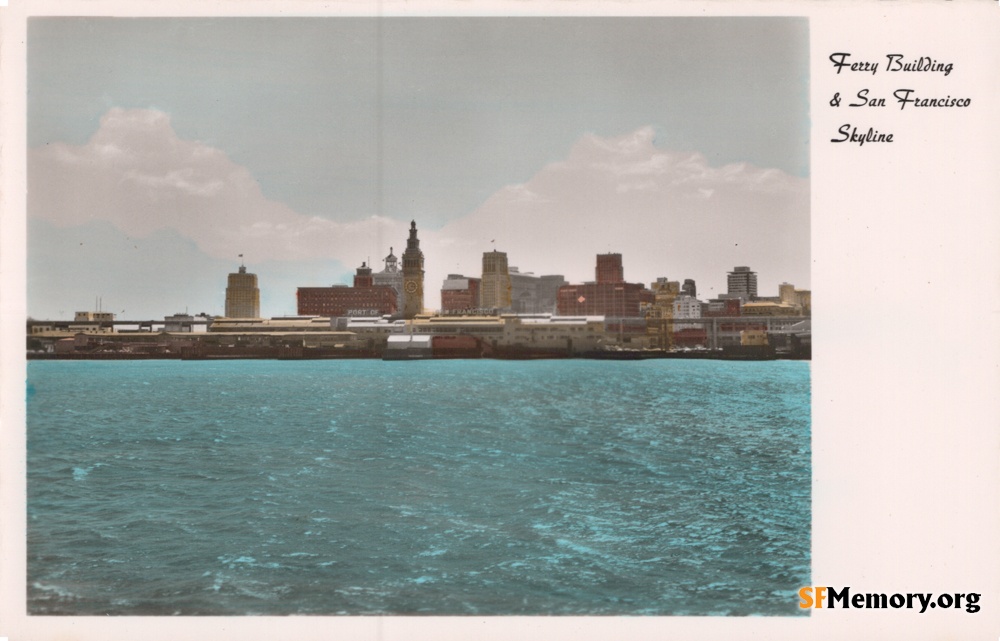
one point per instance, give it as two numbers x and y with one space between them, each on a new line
93 328
793 340
231 338
178 323
371 332
475 325
121 345
632 332
543 333
40 328
753 337
93 317
408 346
278 324
690 337
92 322
520 333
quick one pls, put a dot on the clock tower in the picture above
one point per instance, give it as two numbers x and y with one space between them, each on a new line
413 275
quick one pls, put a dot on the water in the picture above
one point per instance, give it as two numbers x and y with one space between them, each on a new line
436 487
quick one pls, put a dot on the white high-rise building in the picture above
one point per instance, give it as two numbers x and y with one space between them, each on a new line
686 306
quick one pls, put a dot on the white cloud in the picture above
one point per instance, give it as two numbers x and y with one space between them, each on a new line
669 213
137 174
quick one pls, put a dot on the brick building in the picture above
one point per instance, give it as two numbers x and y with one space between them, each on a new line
609 268
460 293
719 307
609 296
363 299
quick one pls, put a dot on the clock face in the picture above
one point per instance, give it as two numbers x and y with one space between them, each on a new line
411 286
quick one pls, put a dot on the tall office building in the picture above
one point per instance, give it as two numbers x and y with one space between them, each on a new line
413 275
242 295
742 283
494 292
609 268
689 288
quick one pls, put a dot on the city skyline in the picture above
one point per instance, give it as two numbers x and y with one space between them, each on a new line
279 122
367 268
168 147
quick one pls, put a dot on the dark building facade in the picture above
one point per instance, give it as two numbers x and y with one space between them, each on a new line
742 282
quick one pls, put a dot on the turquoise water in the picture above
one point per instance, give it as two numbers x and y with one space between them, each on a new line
487 487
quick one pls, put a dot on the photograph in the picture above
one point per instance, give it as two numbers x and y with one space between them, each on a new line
362 316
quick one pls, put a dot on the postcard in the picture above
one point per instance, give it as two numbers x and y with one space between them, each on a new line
396 320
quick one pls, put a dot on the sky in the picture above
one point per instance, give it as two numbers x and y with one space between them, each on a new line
159 150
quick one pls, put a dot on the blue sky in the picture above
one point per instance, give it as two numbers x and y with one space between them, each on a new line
348 121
